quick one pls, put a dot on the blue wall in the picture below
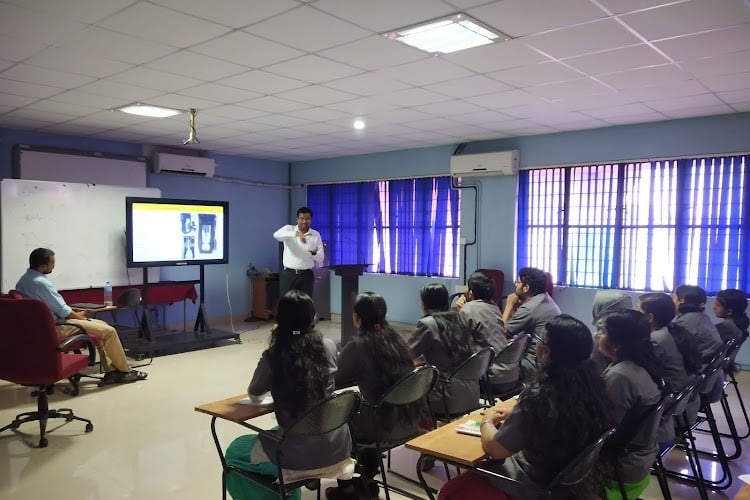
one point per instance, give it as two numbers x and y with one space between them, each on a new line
255 212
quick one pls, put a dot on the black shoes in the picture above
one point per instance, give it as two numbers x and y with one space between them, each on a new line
118 377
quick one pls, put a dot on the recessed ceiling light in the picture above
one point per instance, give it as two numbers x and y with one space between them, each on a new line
359 124
147 110
447 34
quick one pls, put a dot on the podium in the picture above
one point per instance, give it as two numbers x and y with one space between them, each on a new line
350 274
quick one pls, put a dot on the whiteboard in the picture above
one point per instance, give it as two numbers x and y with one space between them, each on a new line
84 224
37 163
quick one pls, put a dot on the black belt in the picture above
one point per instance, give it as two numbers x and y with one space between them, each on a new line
297 271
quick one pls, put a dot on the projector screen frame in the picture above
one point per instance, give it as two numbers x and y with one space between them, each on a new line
201 226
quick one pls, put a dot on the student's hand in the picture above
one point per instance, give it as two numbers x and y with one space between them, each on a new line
513 300
313 251
493 417
503 408
78 314
460 302
301 236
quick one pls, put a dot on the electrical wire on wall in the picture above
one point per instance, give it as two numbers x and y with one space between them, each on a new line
477 196
229 303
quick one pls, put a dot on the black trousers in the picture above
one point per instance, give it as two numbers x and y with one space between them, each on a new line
289 279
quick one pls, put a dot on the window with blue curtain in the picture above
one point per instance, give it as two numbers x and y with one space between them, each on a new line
648 225
403 226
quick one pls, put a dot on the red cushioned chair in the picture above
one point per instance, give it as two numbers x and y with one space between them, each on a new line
32 355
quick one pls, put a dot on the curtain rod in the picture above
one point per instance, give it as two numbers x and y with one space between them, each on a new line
643 160
378 179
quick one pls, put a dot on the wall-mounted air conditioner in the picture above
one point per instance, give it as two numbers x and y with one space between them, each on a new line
497 163
193 165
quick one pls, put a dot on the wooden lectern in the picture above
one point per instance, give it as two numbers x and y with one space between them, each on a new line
350 274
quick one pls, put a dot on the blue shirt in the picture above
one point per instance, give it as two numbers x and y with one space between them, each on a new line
35 285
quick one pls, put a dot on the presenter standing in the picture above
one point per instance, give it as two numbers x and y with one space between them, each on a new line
303 247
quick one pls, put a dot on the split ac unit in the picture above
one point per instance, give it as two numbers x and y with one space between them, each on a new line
497 163
193 165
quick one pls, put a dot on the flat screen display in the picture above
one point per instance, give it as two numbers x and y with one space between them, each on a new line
173 232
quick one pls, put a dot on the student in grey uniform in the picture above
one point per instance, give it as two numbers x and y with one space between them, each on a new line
440 339
298 369
481 316
690 301
606 301
527 310
675 353
563 409
375 359
632 385
730 306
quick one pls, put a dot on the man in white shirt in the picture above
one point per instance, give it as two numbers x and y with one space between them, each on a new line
303 247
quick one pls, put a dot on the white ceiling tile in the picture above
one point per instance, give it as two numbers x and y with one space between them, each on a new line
503 99
667 91
427 71
524 17
693 16
110 45
313 69
219 93
177 101
314 30
70 62
624 110
322 128
235 13
496 56
537 74
653 116
367 84
113 119
248 126
316 95
561 90
411 97
698 101
126 92
10 120
159 80
319 114
645 77
18 49
717 109
741 107
399 116
145 20
620 59
536 109
14 101
287 133
483 118
262 82
384 15
623 6
724 64
723 83
433 123
194 65
41 76
19 22
605 100
88 11
26 89
78 97
706 44
374 52
730 97
468 87
63 108
246 49
274 104
449 108
222 114
279 120
5 64
583 39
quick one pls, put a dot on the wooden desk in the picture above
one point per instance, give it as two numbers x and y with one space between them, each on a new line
445 443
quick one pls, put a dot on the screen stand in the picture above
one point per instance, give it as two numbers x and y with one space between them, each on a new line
201 320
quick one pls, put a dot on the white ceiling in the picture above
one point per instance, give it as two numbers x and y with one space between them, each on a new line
285 79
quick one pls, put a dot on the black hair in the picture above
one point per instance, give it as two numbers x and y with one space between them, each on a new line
481 286
565 406
391 356
451 330
630 332
735 301
693 298
40 257
535 278
304 210
297 355
662 307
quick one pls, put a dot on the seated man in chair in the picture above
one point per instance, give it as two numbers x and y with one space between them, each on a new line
35 285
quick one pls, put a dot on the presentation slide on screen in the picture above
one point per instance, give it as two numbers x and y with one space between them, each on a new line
175 232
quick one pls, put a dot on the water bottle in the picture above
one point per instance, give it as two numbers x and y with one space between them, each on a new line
107 294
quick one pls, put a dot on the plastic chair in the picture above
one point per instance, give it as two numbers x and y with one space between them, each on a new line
32 355
511 356
410 389
473 368
328 415
131 299
577 470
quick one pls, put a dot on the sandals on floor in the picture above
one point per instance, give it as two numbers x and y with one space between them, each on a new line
117 377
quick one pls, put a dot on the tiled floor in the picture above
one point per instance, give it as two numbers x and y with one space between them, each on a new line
148 443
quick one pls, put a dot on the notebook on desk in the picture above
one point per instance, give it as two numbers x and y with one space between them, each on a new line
87 305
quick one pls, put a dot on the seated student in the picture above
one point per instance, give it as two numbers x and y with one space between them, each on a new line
35 285
730 305
440 339
632 381
481 316
563 410
298 369
375 359
527 310
606 301
691 302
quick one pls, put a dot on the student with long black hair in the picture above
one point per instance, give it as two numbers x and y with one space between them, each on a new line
374 359
441 339
563 409
298 369
730 306
632 380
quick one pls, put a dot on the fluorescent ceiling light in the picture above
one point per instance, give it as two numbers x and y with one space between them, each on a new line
147 110
359 124
447 34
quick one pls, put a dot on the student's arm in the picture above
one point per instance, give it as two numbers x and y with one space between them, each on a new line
505 441
261 382
349 366
419 341
512 303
